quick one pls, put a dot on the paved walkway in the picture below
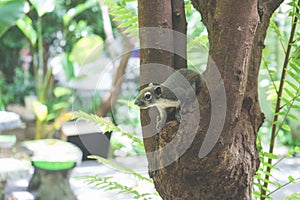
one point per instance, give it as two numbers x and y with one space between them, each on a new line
290 166
83 191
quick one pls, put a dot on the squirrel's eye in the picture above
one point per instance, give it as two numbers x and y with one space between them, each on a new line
148 96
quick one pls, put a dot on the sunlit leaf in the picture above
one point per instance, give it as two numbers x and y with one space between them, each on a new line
62 91
25 25
292 85
297 149
289 92
40 110
43 7
10 12
292 116
60 105
73 12
286 127
295 66
293 75
87 49
296 107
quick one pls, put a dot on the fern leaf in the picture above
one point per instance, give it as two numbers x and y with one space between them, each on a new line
108 126
120 167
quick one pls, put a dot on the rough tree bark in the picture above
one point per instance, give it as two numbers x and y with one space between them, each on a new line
236 29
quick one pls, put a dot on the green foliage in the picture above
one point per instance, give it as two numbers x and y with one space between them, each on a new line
130 122
10 12
284 94
127 19
15 92
104 123
108 183
25 25
87 49
22 86
43 7
294 196
73 12
120 167
5 95
47 34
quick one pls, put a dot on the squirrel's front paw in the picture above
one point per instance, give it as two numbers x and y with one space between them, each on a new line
159 124
178 115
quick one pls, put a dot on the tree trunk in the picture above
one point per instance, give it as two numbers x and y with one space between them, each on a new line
236 30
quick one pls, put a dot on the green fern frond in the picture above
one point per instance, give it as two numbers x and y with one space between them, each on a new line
102 122
107 125
120 167
127 18
106 184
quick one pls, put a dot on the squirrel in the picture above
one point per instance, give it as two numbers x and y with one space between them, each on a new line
180 88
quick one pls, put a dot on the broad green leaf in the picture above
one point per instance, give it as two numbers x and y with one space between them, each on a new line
40 110
50 117
25 25
297 149
43 6
61 105
62 91
73 12
87 49
10 12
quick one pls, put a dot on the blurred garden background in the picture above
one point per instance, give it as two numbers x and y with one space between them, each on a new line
61 57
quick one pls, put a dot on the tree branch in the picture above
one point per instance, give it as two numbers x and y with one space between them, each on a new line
107 29
110 99
179 26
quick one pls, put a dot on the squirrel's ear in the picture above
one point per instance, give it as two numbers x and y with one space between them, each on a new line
158 91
